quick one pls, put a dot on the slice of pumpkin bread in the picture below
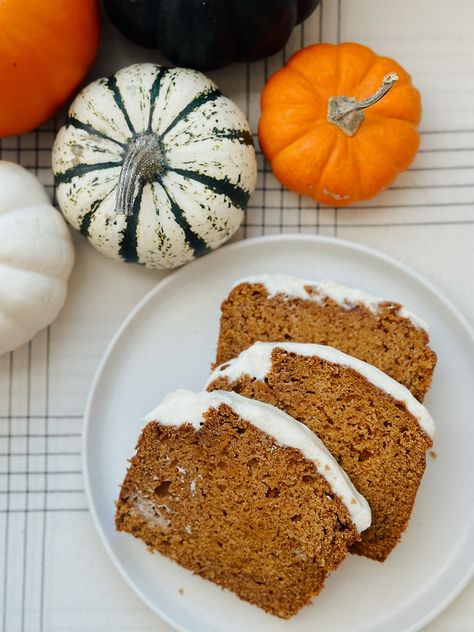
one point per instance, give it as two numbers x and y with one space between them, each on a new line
243 495
276 308
374 427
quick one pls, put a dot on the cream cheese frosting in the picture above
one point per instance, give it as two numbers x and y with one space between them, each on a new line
256 362
183 406
346 297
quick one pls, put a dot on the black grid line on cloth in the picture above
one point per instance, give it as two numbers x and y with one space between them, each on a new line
42 417
413 187
45 498
48 510
470 203
375 225
50 491
27 483
7 510
33 435
49 472
51 453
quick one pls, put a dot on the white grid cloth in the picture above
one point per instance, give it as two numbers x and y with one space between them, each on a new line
54 574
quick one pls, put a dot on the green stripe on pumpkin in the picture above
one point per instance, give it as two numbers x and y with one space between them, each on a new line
205 97
88 217
197 243
111 84
238 196
80 170
154 93
128 245
243 136
74 122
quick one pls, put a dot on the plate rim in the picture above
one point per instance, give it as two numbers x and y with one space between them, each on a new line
170 278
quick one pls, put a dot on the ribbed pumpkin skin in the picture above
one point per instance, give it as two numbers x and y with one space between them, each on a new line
209 168
211 34
46 48
312 156
36 257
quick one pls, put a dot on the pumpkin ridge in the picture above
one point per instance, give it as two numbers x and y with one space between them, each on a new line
204 97
381 117
154 93
48 273
356 166
197 243
389 155
128 243
80 125
88 217
311 84
341 50
111 84
321 123
369 70
16 322
58 282
82 169
237 195
327 162
404 79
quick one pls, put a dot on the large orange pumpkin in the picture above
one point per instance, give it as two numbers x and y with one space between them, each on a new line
46 47
324 137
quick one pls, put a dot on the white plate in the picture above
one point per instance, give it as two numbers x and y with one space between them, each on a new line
168 341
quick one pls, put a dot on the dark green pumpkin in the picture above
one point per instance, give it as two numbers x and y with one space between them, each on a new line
207 34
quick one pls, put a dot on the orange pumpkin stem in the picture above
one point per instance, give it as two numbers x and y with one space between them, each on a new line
347 113
143 160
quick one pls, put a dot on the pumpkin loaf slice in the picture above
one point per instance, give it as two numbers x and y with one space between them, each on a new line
243 495
276 307
376 429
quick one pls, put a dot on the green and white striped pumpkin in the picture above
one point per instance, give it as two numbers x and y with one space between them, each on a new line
154 165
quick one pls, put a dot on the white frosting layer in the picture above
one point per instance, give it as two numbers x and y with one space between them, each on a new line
346 297
183 406
256 361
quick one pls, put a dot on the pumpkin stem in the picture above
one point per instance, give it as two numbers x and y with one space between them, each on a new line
346 112
143 161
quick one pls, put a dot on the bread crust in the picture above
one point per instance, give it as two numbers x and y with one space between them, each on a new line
387 340
374 438
234 507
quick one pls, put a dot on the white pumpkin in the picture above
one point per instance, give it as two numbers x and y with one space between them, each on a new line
36 257
154 165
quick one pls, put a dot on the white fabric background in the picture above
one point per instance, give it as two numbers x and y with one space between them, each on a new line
54 574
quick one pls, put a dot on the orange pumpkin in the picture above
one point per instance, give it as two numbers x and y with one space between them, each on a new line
334 128
46 47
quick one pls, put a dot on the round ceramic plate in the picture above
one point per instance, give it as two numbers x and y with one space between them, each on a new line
169 341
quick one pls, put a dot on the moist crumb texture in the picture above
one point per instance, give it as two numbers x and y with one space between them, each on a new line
385 339
231 505
374 438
